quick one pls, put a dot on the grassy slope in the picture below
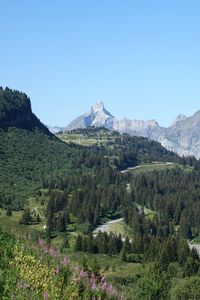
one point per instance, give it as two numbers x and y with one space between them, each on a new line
149 167
88 137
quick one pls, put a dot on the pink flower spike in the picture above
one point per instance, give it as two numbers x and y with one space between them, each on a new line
57 271
46 295
103 278
65 261
110 288
83 274
104 286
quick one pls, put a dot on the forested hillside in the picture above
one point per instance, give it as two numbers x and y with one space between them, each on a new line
28 151
55 194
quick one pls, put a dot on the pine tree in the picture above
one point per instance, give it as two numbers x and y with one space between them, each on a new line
26 217
38 219
96 268
67 217
185 229
190 267
183 251
78 244
8 212
61 225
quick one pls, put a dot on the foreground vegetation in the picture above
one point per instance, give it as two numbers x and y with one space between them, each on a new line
35 270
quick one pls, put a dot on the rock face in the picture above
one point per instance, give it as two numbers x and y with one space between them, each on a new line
182 137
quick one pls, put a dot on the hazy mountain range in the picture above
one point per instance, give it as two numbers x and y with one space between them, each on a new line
182 137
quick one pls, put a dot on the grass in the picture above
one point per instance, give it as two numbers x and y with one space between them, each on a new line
119 227
89 139
156 166
121 274
11 221
36 207
147 211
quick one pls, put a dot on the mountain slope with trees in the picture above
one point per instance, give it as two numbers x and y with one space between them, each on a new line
28 151
75 188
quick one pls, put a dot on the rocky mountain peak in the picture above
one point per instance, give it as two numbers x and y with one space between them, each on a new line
98 106
179 118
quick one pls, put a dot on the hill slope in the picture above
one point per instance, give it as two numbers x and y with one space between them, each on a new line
28 151
125 150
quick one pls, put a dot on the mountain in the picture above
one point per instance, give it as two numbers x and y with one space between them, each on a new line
97 116
28 150
182 137
55 129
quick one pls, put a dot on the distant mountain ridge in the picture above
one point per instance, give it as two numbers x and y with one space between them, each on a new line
182 137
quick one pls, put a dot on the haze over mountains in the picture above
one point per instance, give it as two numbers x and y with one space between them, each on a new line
182 137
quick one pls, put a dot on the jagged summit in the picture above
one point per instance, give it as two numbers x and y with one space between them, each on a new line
97 116
99 105
99 108
179 118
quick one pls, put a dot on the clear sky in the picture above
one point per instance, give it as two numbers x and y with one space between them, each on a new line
142 58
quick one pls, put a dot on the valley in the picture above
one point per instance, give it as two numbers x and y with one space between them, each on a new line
109 214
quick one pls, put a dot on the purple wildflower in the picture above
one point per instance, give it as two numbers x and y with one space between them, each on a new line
22 285
83 274
41 242
110 288
94 282
103 279
65 261
46 295
104 286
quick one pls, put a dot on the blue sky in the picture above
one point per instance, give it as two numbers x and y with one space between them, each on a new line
142 58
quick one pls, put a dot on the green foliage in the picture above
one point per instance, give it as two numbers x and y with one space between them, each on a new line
187 288
28 151
7 243
25 158
37 271
84 187
102 243
152 286
15 111
26 217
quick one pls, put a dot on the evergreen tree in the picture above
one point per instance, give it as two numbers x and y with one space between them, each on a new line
185 229
8 212
96 268
78 244
183 251
61 225
26 217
